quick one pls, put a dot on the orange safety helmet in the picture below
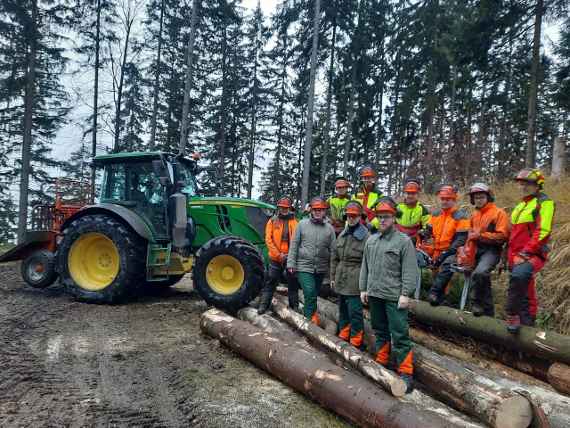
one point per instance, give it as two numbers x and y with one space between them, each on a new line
341 182
532 176
412 186
354 208
367 172
318 202
481 188
447 191
386 205
285 202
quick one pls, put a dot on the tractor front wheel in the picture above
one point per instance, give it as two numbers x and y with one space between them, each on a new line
38 269
101 260
228 272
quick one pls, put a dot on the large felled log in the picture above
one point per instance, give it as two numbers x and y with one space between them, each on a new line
416 399
455 385
360 361
314 375
559 377
544 344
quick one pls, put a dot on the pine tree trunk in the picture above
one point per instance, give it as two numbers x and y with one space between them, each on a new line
324 163
223 116
151 143
129 24
559 158
532 96
251 155
29 105
95 98
349 120
310 105
188 83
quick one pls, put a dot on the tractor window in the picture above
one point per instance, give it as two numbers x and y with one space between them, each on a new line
136 183
185 175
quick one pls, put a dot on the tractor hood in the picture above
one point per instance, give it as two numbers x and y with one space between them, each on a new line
240 202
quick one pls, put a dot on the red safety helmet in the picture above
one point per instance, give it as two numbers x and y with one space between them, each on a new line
318 202
531 175
412 186
481 188
367 172
354 208
285 202
341 182
447 191
386 205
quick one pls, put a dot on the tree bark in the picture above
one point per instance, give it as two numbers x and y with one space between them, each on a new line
188 83
324 162
559 377
29 104
310 105
95 99
530 144
362 362
543 344
151 143
559 158
312 374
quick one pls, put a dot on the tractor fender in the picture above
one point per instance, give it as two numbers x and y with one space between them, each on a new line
118 212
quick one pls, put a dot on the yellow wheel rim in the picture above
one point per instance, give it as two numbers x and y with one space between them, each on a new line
225 274
93 261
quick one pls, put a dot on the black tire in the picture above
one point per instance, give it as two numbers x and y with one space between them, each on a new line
251 263
30 269
132 255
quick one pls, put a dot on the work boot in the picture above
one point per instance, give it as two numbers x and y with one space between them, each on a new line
409 381
264 302
477 310
294 302
513 324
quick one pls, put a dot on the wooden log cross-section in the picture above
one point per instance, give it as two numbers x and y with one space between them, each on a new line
313 374
544 344
457 386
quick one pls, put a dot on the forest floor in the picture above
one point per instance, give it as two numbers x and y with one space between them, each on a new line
145 363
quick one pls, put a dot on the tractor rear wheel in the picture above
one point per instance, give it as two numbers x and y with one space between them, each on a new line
101 260
38 269
228 273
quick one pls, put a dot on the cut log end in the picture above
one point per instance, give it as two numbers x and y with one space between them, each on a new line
514 412
559 377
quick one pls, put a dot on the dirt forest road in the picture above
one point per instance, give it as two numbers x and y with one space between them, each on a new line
144 364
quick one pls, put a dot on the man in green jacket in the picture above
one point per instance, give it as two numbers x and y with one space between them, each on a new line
388 278
309 254
346 259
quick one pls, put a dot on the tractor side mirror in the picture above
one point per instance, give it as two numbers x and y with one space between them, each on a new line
161 172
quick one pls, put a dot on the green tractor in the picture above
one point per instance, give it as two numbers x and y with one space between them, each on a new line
149 229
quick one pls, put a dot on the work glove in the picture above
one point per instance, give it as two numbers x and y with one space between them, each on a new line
364 297
403 302
474 235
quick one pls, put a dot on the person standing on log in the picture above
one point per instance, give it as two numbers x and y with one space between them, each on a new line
279 231
449 226
309 254
338 203
346 259
412 216
388 277
528 250
368 196
489 231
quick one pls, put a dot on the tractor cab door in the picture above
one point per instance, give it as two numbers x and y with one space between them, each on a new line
136 186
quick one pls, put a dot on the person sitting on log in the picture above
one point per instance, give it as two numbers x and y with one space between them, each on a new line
279 231
346 259
388 277
528 250
449 226
310 253
337 204
489 231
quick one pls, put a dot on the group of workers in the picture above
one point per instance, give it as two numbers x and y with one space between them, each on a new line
371 249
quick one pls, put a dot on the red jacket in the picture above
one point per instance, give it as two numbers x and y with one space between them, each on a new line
531 227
